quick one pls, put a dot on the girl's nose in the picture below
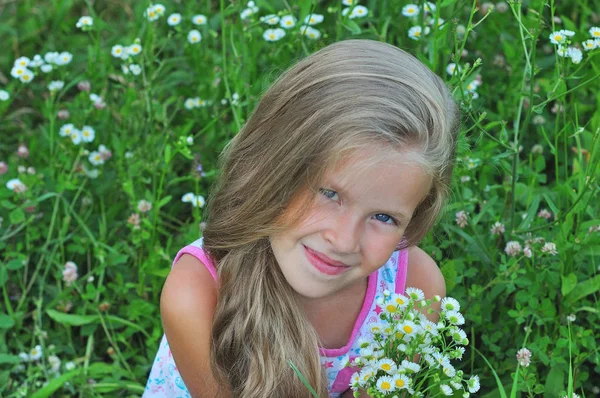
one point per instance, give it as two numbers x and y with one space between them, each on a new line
343 233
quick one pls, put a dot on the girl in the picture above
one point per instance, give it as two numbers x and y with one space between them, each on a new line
342 168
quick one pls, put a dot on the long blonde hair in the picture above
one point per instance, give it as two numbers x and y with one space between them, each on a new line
347 95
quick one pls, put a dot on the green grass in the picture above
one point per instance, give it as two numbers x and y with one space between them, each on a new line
529 147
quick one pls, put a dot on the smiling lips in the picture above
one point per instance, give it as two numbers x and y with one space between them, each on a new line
324 264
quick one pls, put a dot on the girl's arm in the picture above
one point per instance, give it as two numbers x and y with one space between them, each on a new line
187 306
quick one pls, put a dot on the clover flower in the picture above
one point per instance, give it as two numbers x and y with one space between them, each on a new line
16 185
174 19
144 206
513 248
527 252
4 96
543 213
287 21
3 168
69 273
571 318
550 248
274 34
524 357
199 19
410 10
310 32
497 228
134 220
194 36
85 23
462 218
54 363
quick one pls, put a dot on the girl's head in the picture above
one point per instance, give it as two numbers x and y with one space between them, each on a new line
352 97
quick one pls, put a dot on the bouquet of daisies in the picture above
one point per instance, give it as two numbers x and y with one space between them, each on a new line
410 356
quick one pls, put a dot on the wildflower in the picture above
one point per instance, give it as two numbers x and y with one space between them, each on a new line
84 85
270 19
524 357
21 169
35 353
401 381
399 300
513 248
16 185
387 365
357 12
446 389
54 362
465 179
408 328
22 62
348 3
595 32
273 34
69 366
46 68
97 100
410 10
537 149
85 23
88 134
23 151
194 36
497 228
455 318
30 170
473 384
527 252
450 304
415 32
70 272
17 71
134 49
3 168
63 114
310 32
451 68
590 44
558 37
248 12
571 318
4 96
415 293
135 69
544 214
376 328
75 136
64 58
24 357
151 13
449 371
27 76
385 384
462 218
199 19
365 374
95 158
134 220
117 51
65 131
575 54
313 19
199 201
287 21
56 85
550 248
144 206
174 19
561 51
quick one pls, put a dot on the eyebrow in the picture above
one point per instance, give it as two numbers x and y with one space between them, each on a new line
397 215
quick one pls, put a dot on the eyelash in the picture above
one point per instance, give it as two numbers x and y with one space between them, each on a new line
326 192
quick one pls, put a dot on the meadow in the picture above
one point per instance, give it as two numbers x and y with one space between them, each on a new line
112 116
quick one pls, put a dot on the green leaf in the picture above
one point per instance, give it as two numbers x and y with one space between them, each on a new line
352 27
71 319
54 385
17 216
555 382
450 274
6 322
551 204
164 201
15 264
6 358
585 288
568 283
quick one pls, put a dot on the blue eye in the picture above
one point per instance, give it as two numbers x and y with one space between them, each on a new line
328 193
384 218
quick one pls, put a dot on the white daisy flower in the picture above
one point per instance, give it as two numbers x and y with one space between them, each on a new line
408 328
410 366
473 384
590 44
75 136
401 382
575 54
455 318
46 68
568 33
376 328
24 356
125 69
27 76
134 49
199 201
17 71
37 61
88 134
64 58
189 104
96 158
387 365
117 51
449 371
459 335
50 57
364 342
54 362
558 37
441 359
194 36
348 3
270 19
199 19
310 32
56 85
69 366
4 96
595 32
430 327
65 131
135 69
385 384
415 32
151 14
22 61
399 300
313 19
174 19
450 304
357 12
366 374
274 34
446 389
287 21
84 22
410 10
429 6
188 197
562 51
35 353
414 293
248 12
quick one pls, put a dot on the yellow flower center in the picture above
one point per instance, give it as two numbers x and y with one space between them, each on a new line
151 13
26 77
386 385
417 33
19 71
86 133
391 308
272 36
118 51
558 37
399 383
311 35
399 301
288 23
386 366
407 329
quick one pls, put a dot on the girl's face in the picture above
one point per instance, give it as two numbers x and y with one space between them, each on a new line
355 223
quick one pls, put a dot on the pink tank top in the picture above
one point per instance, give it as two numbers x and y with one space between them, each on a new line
165 381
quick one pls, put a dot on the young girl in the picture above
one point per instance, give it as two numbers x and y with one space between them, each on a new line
342 168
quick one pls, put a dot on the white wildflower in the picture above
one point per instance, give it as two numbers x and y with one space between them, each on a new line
56 85
199 19
194 36
287 21
274 34
84 22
